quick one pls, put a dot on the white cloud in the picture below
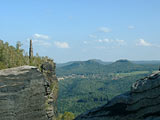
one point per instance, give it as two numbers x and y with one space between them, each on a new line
85 42
142 42
92 36
100 47
40 40
120 42
40 36
104 29
131 27
41 43
106 40
111 41
61 44
100 40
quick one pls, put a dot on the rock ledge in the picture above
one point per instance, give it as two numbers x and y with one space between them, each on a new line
24 95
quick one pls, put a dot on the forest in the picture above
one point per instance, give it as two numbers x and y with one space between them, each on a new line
89 84
11 56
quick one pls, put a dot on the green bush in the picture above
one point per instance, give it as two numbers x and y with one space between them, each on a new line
66 116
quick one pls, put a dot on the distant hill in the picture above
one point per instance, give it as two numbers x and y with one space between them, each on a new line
58 65
143 62
122 66
99 67
101 62
80 67
71 62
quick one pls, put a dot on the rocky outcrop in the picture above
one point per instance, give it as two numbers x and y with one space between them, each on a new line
28 94
51 88
141 103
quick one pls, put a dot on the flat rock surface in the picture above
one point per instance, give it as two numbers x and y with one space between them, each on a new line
22 94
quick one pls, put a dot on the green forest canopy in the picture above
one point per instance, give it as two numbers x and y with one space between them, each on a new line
11 56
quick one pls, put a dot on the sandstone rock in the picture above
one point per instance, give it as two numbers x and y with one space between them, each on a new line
51 87
141 103
23 94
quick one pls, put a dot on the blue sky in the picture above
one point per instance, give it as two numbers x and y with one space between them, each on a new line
68 30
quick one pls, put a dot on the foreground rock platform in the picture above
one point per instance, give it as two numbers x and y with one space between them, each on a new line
24 94
142 102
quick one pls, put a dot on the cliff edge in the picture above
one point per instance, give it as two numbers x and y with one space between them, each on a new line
28 94
142 102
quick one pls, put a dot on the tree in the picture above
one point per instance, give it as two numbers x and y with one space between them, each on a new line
18 45
11 56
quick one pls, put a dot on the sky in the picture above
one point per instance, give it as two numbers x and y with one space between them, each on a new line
76 30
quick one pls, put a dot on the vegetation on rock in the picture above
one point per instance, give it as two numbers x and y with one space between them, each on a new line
66 116
11 56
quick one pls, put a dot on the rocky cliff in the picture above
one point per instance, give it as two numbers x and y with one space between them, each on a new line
141 103
28 94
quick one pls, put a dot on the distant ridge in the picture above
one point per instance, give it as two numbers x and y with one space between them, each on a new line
80 67
123 65
123 61
107 63
101 62
65 64
147 62
93 60
95 66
